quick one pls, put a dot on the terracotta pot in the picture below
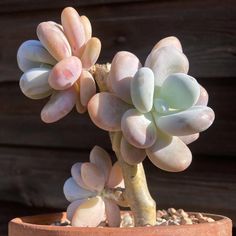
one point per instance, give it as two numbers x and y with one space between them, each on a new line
39 226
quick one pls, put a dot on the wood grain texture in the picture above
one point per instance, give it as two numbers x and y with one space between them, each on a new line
206 29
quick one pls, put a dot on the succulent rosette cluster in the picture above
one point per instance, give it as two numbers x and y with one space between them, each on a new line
57 65
158 107
89 191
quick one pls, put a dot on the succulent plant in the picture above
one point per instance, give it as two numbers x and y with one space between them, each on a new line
158 108
155 110
93 189
57 65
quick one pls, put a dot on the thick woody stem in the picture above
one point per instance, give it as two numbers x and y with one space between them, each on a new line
137 194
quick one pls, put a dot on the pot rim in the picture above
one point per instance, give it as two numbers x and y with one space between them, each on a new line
25 222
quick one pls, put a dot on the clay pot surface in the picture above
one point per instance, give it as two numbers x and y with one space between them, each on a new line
39 225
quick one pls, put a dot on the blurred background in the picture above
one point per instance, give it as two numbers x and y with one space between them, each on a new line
35 158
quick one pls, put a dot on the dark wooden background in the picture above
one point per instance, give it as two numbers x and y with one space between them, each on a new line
35 158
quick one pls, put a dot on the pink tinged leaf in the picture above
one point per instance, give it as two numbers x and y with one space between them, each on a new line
112 213
59 105
65 73
74 30
166 61
169 41
76 174
73 207
87 87
102 160
92 176
32 54
87 27
130 153
54 40
90 213
169 153
91 53
123 68
203 98
116 177
73 191
194 120
79 107
187 139
106 109
138 129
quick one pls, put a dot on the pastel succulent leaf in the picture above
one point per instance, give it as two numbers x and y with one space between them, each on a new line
187 139
138 129
113 213
34 83
169 153
65 73
180 91
194 120
106 110
74 30
59 105
54 40
90 213
88 87
73 191
203 98
91 52
116 177
87 27
130 153
31 54
166 61
102 160
169 41
73 207
92 176
79 107
123 67
142 90
76 174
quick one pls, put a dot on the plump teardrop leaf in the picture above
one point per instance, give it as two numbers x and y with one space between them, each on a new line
74 30
54 40
138 129
180 91
92 176
73 191
123 67
59 105
65 73
90 213
102 160
115 178
169 153
194 120
203 98
166 61
87 87
113 213
34 83
87 27
130 153
76 174
32 54
91 52
142 90
187 139
106 109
